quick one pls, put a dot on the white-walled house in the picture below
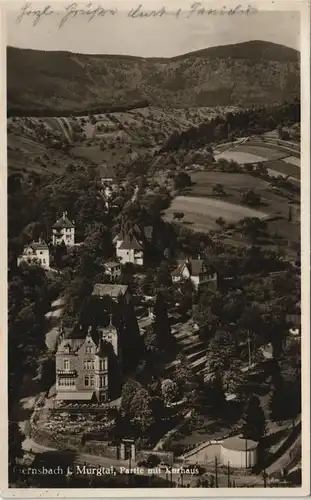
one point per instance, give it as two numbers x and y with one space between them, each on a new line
63 231
35 253
196 270
129 249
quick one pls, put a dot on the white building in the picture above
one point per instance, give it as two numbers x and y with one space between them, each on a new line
129 248
197 271
239 452
63 231
35 253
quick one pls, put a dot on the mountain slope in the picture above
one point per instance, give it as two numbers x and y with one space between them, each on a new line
243 74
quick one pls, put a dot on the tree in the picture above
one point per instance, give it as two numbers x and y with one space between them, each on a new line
250 197
169 391
254 421
129 389
220 221
253 227
182 180
141 410
178 215
161 325
218 190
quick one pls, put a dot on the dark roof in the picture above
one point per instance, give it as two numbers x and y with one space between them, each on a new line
130 242
114 291
112 264
194 266
38 245
63 222
107 172
238 443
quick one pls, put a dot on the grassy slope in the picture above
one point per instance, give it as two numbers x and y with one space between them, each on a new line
262 72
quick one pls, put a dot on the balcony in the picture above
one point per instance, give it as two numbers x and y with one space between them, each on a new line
67 373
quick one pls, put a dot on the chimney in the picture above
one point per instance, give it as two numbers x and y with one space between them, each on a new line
199 257
64 214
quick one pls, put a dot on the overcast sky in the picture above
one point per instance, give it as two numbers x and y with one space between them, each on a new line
153 37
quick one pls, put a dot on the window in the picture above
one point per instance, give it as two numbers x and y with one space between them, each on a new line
40 253
103 381
89 349
103 364
66 364
86 381
88 364
43 260
92 381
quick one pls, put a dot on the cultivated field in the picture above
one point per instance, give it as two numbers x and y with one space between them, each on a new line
201 213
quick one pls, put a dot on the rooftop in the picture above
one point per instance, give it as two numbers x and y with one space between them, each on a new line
63 222
36 245
112 264
238 443
194 266
114 291
130 242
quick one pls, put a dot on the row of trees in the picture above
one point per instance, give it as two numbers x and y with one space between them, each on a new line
238 124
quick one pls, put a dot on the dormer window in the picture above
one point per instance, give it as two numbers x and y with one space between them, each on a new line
66 349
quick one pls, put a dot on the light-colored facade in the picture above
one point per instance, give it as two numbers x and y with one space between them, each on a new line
63 231
82 368
129 249
197 271
240 453
35 253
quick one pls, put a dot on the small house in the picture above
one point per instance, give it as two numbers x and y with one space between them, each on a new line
35 253
112 270
197 271
63 231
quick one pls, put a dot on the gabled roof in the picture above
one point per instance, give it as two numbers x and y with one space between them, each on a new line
112 264
130 242
194 266
107 172
63 222
38 245
114 291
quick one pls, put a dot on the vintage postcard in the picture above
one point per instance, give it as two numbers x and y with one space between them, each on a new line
155 274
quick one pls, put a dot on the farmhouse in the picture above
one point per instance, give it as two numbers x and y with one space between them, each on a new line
85 365
199 273
63 231
35 253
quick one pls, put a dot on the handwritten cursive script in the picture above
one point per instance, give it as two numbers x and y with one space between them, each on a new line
90 12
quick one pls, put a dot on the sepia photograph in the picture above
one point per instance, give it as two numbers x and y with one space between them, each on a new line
154 176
